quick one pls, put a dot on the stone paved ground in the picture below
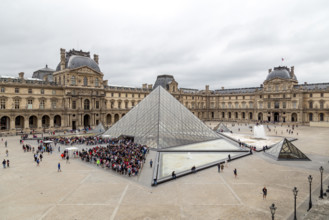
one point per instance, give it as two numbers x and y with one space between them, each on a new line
84 191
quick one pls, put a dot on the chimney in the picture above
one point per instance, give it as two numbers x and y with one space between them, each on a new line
305 83
261 85
144 86
222 87
269 70
62 59
207 87
292 71
105 82
21 75
96 58
150 86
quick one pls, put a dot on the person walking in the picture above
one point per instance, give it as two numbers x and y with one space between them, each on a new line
173 175
7 153
68 159
8 163
41 157
59 167
6 143
222 167
38 162
4 163
218 167
235 172
264 192
151 163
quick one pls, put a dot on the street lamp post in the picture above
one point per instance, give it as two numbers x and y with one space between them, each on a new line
295 191
310 203
321 189
272 208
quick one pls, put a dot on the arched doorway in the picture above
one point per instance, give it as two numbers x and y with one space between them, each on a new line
243 115
86 121
229 115
223 115
310 117
19 122
108 119
250 115
260 116
5 123
57 121
45 121
293 117
236 115
276 117
321 117
33 121
116 118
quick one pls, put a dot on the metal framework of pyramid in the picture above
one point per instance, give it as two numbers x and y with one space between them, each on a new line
98 129
161 121
221 128
285 150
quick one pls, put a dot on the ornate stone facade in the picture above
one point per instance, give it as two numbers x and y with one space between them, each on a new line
78 97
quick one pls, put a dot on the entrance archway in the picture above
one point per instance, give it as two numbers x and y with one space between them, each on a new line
236 115
5 123
108 119
276 117
57 121
250 115
45 121
260 116
86 121
33 121
19 122
116 118
293 117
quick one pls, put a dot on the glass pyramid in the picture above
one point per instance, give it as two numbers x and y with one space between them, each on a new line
221 128
285 150
98 129
160 121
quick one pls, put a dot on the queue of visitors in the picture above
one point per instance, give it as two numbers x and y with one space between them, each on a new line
87 140
122 156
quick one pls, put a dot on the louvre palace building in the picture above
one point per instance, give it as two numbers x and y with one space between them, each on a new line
75 96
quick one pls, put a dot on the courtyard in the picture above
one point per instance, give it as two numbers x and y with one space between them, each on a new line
85 191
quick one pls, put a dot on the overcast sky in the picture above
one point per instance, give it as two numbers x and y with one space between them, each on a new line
219 43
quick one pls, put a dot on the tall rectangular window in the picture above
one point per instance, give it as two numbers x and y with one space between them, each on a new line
30 91
3 104
74 104
284 105
269 105
42 104
53 104
42 91
16 90
16 104
276 105
294 105
97 104
29 104
2 89
54 92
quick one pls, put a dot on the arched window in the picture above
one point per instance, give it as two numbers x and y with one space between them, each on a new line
86 104
85 81
73 82
96 82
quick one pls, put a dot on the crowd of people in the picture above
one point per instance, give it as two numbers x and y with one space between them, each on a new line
87 140
122 156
